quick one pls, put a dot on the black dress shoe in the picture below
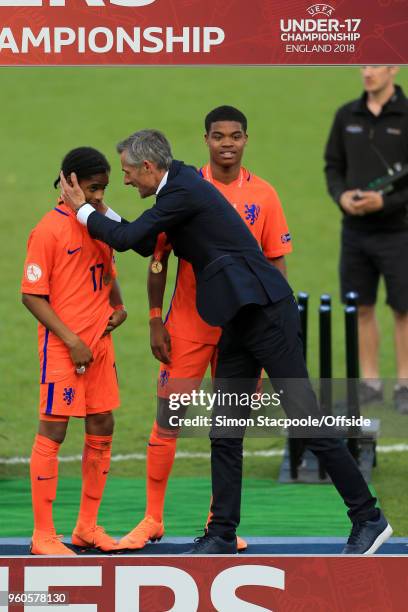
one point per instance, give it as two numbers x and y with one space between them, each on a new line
213 545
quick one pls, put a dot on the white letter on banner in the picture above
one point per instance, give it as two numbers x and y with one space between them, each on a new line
171 39
196 39
7 40
225 584
88 2
4 586
81 40
148 35
122 37
20 3
209 41
28 37
40 578
107 33
63 41
129 580
132 2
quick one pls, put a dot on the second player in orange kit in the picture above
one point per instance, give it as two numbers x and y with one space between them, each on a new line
184 343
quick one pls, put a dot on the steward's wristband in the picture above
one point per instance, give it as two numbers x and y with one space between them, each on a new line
155 313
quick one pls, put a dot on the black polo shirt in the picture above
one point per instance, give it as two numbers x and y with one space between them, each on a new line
360 148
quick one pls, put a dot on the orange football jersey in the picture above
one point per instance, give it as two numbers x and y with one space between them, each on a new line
76 272
259 206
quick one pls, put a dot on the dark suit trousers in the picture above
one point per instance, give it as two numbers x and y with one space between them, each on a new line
269 337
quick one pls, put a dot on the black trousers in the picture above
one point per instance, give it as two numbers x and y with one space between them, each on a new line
269 337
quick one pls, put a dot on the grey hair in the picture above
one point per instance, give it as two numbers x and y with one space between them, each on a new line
151 145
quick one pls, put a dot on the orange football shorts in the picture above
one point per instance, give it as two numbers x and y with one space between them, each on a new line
94 391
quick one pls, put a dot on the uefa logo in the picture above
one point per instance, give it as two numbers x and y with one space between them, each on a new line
320 9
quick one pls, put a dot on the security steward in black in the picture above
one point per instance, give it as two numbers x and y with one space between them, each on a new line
363 147
369 140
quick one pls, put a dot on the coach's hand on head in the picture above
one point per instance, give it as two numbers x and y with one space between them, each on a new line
71 192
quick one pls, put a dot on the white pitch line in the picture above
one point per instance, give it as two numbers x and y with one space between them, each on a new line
395 448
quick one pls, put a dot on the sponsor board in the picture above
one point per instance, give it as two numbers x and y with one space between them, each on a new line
190 584
118 32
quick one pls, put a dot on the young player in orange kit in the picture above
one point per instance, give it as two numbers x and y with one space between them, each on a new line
184 344
70 286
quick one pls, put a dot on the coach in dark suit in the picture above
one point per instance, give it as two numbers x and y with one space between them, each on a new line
240 291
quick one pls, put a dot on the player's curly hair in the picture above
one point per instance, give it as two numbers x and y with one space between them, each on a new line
85 162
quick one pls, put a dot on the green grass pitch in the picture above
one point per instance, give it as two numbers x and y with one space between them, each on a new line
47 111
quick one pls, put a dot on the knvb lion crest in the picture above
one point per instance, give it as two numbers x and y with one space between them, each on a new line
252 213
320 9
68 395
164 378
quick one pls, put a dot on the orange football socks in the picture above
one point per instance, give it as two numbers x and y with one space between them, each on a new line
161 451
95 467
44 480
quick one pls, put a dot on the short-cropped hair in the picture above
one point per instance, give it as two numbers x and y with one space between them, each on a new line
150 145
225 113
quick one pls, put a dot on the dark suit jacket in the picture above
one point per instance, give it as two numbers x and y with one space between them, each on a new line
204 229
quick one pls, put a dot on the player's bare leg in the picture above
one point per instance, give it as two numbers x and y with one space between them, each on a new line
160 457
401 351
369 342
44 481
161 450
95 467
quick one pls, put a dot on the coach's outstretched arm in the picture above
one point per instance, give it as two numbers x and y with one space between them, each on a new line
139 235
122 237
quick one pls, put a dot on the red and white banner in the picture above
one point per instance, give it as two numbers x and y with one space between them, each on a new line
132 32
204 584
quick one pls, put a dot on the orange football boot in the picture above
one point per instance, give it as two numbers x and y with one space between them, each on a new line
93 537
49 543
147 530
241 544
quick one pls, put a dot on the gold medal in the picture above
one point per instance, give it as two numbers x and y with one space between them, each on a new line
156 267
